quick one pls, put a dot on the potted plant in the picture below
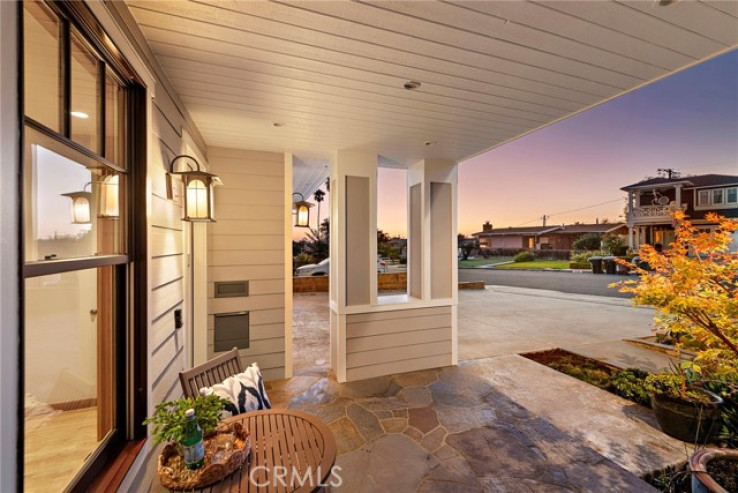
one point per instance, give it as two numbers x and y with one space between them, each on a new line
226 445
693 286
683 410
169 418
714 470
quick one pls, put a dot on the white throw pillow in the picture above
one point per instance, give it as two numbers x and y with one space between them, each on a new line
245 391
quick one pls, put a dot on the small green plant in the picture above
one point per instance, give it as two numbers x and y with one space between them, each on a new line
585 371
586 255
631 384
524 256
677 386
169 417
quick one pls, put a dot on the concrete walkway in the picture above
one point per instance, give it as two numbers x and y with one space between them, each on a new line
498 422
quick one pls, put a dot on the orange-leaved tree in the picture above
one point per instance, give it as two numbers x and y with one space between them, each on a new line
694 287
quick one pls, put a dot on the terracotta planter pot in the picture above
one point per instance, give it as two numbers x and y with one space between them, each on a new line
702 482
688 421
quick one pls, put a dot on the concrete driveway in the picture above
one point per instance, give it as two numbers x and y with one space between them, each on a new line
509 320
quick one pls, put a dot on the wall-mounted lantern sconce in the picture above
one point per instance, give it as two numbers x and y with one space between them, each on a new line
301 209
80 205
109 196
198 185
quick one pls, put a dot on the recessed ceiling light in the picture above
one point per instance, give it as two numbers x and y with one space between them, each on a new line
412 85
279 124
79 114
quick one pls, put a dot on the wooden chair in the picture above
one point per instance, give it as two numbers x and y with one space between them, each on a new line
208 374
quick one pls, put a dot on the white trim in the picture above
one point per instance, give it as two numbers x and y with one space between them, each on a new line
288 307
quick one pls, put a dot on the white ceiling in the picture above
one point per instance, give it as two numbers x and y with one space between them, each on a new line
333 71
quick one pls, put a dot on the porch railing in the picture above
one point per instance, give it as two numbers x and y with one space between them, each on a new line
654 210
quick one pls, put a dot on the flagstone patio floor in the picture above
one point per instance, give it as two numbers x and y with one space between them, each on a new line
453 430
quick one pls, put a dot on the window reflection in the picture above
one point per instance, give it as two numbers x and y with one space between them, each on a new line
42 73
66 215
85 95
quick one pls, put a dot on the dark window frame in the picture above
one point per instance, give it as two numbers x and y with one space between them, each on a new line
130 269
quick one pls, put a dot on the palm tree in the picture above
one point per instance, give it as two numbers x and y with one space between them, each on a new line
318 196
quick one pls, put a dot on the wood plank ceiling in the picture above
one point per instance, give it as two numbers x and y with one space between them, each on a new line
330 74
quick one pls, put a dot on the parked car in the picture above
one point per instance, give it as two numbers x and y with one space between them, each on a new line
320 269
323 268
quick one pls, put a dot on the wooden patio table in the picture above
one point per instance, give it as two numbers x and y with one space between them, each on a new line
291 451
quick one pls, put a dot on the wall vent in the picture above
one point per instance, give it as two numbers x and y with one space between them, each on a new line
231 289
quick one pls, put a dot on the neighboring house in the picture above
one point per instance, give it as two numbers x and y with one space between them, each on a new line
564 238
651 203
542 237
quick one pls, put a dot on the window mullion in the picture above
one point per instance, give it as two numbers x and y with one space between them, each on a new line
101 116
66 60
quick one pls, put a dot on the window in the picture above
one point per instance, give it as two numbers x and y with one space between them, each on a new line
703 198
79 281
731 195
717 197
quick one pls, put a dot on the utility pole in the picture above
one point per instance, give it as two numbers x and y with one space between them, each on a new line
545 217
670 172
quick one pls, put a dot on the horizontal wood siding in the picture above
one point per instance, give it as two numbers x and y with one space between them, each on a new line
397 341
247 244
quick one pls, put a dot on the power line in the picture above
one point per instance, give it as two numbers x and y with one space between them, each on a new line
570 211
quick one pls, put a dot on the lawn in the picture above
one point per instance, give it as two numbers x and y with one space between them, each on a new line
472 263
537 264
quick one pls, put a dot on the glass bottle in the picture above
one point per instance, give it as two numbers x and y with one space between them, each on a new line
192 446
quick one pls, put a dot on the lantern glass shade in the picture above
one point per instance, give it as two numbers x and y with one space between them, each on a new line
110 196
80 207
198 198
303 215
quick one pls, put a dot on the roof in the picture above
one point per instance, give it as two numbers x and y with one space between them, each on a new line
688 181
529 230
589 228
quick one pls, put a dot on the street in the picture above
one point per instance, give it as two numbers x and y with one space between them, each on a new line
566 282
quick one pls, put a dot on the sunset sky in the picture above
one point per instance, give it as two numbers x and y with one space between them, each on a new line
688 122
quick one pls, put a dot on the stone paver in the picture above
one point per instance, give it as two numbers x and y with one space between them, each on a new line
497 422
472 436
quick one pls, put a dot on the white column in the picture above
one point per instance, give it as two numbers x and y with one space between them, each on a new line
434 185
678 196
353 244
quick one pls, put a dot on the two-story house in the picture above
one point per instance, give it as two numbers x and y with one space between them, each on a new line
651 203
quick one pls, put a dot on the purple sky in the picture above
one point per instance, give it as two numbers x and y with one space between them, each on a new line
688 122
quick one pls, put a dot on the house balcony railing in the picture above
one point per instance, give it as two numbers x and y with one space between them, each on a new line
654 211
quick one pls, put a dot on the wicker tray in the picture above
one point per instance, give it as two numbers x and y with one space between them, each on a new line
174 475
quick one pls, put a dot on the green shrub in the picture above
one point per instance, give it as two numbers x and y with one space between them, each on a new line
589 241
302 259
631 384
614 245
585 256
524 257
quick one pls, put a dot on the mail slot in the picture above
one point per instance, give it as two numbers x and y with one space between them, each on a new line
231 329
